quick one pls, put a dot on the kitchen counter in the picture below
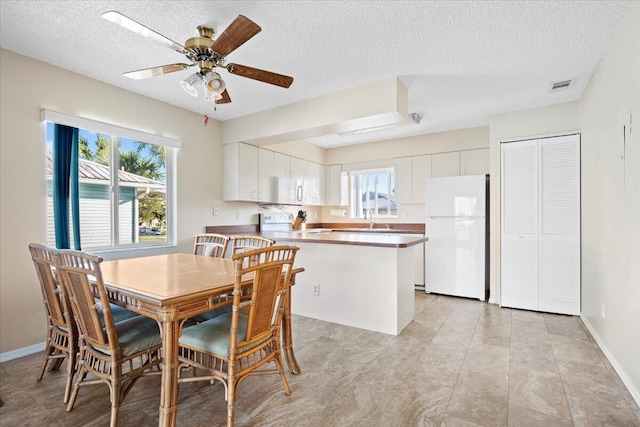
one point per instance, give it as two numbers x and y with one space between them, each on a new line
362 237
364 279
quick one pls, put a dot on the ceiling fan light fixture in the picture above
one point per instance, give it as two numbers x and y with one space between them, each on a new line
190 84
213 83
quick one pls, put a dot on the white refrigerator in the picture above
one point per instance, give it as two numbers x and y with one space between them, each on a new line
456 211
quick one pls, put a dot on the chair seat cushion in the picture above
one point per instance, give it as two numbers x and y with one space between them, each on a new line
213 335
219 312
136 334
119 314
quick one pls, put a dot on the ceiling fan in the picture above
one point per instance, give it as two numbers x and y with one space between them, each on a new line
205 52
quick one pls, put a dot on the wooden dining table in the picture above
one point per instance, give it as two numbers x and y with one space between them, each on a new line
171 289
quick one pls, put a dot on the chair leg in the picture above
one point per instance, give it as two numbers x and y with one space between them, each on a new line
45 360
114 389
196 384
71 370
82 374
231 402
278 363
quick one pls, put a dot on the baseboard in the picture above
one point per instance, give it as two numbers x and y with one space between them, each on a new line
20 352
623 376
493 300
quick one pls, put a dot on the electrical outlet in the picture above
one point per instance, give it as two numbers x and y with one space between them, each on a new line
216 211
602 314
238 214
315 290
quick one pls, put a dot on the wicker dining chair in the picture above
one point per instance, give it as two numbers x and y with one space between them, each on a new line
239 244
62 335
210 244
118 354
234 346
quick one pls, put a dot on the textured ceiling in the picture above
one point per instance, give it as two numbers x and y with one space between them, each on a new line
461 61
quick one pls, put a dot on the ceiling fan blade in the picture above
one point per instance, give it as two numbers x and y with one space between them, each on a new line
260 75
156 71
236 34
225 98
136 27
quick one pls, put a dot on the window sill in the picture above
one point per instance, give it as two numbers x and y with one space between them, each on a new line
110 254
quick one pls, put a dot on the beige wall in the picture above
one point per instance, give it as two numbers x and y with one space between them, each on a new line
456 140
611 201
26 87
534 122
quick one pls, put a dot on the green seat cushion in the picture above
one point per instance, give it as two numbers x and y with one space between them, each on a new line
213 335
219 312
136 334
119 314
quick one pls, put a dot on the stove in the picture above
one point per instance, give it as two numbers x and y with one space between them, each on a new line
276 221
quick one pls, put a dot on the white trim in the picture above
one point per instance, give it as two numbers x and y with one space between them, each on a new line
540 136
101 127
623 376
21 352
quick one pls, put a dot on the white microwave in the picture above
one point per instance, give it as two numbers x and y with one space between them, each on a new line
289 191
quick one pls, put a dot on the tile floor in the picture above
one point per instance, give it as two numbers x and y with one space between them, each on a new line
460 363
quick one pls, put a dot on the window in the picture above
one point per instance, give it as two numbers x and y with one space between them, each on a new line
136 173
374 191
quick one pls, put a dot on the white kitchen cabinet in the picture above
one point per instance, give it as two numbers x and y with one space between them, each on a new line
240 172
540 218
266 176
474 162
314 178
421 170
282 164
337 186
403 187
445 164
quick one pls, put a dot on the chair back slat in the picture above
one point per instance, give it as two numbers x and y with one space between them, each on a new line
272 274
248 243
81 274
210 244
55 301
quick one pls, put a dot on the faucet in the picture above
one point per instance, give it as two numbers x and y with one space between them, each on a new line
370 212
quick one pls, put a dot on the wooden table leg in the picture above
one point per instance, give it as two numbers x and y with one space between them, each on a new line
287 333
168 387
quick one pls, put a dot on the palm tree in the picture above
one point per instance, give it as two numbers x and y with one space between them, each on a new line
132 161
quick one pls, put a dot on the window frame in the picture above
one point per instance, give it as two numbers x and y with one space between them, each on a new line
115 133
356 206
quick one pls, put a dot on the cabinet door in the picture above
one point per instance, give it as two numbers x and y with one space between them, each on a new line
240 172
402 169
282 164
421 170
266 175
519 221
248 172
313 178
474 162
560 224
338 192
445 164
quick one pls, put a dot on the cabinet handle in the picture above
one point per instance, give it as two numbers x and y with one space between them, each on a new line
254 195
259 195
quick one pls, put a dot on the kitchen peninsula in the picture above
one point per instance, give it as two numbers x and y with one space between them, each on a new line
362 279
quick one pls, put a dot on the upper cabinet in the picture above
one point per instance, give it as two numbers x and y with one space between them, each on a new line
474 162
249 174
240 172
337 186
421 170
445 164
402 168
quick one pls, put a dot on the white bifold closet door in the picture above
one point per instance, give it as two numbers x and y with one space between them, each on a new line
540 244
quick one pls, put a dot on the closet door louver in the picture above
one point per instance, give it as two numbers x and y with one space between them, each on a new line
540 246
560 224
519 249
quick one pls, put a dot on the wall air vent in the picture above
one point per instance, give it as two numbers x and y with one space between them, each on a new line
564 84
